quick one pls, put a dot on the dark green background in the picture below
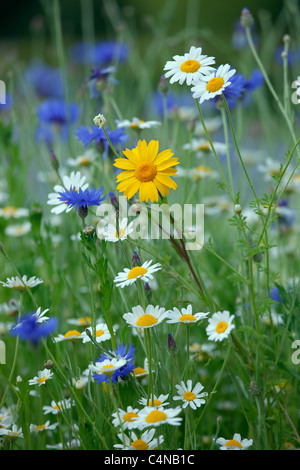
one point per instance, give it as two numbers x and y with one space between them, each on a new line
16 17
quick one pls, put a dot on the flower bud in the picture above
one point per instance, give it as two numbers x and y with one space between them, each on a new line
172 347
54 161
100 121
237 209
246 18
49 364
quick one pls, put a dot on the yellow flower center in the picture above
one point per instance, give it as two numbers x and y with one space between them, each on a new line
139 371
206 169
134 125
190 66
189 396
145 171
187 317
233 443
129 416
70 334
42 380
155 416
41 427
155 403
84 161
121 233
137 271
9 211
139 444
99 333
108 369
85 321
146 320
215 84
221 327
205 147
20 287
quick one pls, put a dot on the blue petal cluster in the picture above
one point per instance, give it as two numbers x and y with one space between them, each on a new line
29 329
120 352
101 53
78 198
92 134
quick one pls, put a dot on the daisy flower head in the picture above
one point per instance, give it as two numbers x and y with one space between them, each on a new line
110 233
125 418
21 284
189 395
236 443
43 427
220 326
11 212
42 377
190 67
213 84
114 365
140 318
143 272
152 416
72 182
158 401
101 333
185 316
146 171
18 230
12 434
137 124
56 407
146 441
71 335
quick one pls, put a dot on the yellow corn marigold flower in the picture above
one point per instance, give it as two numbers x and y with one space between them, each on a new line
146 171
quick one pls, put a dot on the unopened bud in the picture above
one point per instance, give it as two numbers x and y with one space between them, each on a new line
135 260
114 201
246 18
83 212
253 388
172 347
237 209
100 121
163 85
49 364
88 230
54 161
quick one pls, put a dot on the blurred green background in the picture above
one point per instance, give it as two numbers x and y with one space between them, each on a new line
19 20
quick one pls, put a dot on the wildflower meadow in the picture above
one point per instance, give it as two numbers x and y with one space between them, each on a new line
149 235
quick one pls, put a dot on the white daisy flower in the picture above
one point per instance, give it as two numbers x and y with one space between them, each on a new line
11 212
13 433
18 230
71 335
107 366
203 147
185 315
83 160
200 172
269 168
236 443
148 318
137 123
159 401
42 377
101 333
74 181
56 407
151 416
213 84
220 326
109 231
125 418
21 284
190 67
42 427
145 442
129 276
82 321
140 372
189 395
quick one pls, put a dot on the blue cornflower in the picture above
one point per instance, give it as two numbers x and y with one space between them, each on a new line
77 198
100 53
98 80
116 364
30 328
46 81
87 135
293 56
239 39
55 114
7 105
